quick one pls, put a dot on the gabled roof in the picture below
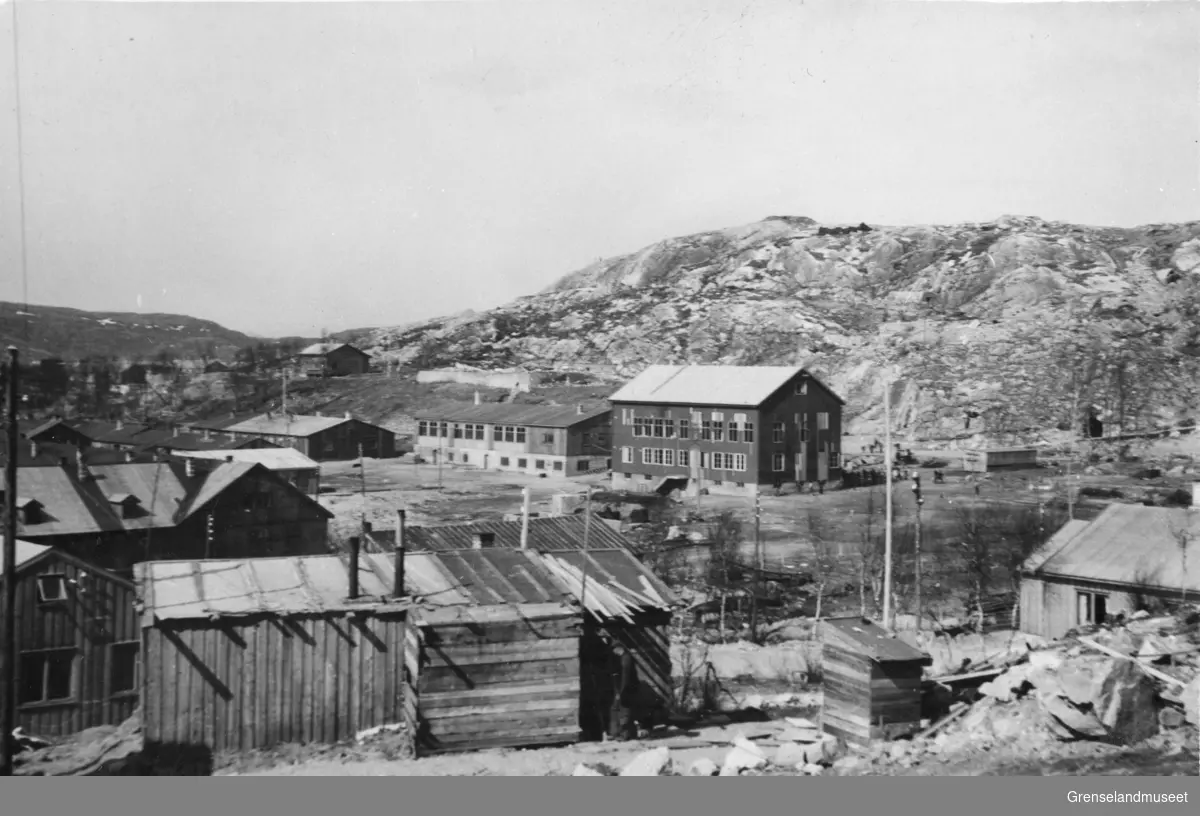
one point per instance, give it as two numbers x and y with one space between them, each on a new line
489 577
216 482
29 554
1127 544
546 534
507 413
321 349
739 386
271 458
287 425
26 551
220 423
867 638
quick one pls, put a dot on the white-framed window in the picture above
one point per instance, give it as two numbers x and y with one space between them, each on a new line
660 429
683 458
1092 608
520 435
669 428
718 460
510 433
777 432
669 457
639 426
778 462
718 431
423 428
660 456
480 432
706 430
733 432
626 416
51 588
627 455
647 456
748 432
685 429
497 433
739 461
458 431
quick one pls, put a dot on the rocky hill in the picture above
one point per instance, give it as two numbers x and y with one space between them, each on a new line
1018 326
72 334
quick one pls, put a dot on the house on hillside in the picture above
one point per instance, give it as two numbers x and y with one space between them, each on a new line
548 439
78 643
246 654
318 437
724 429
1127 557
622 600
58 430
332 360
115 515
289 463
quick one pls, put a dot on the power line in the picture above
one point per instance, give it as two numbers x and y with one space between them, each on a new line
20 173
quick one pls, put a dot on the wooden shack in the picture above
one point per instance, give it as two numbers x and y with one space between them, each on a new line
989 459
872 682
498 639
253 653
77 640
623 601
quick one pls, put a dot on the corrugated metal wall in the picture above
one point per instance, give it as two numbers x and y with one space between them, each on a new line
499 684
265 681
88 622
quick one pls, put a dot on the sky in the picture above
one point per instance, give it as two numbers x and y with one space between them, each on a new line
286 168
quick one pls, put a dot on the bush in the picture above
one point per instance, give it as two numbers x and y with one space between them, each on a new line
1100 492
1178 498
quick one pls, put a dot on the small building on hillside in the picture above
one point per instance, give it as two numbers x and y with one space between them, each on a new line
985 460
872 682
559 440
1127 558
78 643
724 429
57 430
623 601
288 463
321 438
332 360
253 653
115 515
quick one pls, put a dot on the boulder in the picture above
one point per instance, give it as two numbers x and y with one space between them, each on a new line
898 750
824 751
1171 718
1191 701
1102 699
744 756
583 769
810 770
791 753
1047 659
703 767
656 762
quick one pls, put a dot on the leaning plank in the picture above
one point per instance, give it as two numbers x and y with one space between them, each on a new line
958 710
1153 672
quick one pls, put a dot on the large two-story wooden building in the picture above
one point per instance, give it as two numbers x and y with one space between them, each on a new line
726 429
529 438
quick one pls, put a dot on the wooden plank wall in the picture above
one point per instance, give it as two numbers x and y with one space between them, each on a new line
648 640
89 622
865 700
499 684
265 681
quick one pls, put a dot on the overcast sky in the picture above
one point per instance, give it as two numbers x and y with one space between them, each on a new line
282 168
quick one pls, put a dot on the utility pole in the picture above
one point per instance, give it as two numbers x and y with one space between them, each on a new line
887 530
362 483
8 678
758 566
920 501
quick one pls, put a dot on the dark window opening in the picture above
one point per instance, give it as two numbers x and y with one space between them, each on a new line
47 676
124 667
52 588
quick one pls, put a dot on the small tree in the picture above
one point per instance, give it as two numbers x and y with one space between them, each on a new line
725 568
870 557
1184 534
824 561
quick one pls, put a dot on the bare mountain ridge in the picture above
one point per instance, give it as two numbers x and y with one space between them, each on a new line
1015 326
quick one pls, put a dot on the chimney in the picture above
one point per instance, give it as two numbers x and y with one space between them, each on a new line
175 431
398 587
579 408
319 414
207 435
80 468
190 467
477 399
528 493
233 415
128 456
348 415
33 450
228 458
120 425
354 544
483 540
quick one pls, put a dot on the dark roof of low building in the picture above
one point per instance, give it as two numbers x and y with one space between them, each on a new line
322 349
507 413
546 534
869 639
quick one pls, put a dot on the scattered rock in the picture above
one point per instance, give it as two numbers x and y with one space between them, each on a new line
1103 699
791 753
811 770
898 750
744 756
1171 718
800 735
583 769
1191 701
656 762
850 763
703 767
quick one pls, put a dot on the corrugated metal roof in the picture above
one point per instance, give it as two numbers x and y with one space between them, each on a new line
1128 544
747 386
546 534
480 578
270 458
873 641
160 488
289 425
183 590
505 413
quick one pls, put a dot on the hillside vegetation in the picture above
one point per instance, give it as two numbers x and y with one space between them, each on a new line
1016 327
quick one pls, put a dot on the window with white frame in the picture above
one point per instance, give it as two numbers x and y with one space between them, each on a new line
510 433
660 429
626 416
778 462
647 456
669 457
777 432
748 432
1092 608
739 461
547 439
458 431
51 588
706 430
639 426
802 386
423 428
520 435
497 433
685 429
718 460
627 455
718 431
669 428
734 436
683 458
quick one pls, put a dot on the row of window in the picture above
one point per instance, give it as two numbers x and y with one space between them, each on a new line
49 675
644 486
670 457
500 433
716 429
538 464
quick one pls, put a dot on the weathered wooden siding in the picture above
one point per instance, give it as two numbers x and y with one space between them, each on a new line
499 683
1049 607
865 700
265 681
90 623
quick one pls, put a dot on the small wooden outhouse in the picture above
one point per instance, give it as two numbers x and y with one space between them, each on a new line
872 682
